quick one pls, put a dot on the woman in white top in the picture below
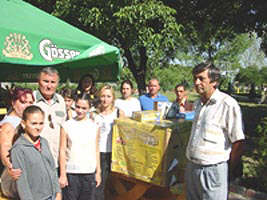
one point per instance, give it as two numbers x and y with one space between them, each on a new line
80 171
106 114
127 103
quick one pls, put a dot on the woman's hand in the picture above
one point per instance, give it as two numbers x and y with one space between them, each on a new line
14 173
98 179
63 181
58 196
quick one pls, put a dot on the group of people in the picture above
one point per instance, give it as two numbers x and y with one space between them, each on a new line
58 146
52 150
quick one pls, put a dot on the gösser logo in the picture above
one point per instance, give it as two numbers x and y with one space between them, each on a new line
49 51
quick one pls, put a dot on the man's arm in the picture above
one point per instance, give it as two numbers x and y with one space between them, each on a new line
236 153
236 134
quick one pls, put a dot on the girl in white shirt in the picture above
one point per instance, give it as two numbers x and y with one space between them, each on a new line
80 171
106 114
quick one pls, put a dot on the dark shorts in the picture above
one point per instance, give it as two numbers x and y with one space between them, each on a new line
80 187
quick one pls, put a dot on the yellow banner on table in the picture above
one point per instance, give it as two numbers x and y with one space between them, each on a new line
138 149
153 153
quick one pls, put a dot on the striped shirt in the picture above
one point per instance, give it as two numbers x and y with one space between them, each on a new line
55 115
217 124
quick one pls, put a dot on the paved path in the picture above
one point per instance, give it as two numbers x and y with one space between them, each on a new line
241 193
235 196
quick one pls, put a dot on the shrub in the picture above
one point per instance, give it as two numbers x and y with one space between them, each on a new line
262 152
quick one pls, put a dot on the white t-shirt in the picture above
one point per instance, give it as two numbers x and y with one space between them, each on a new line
82 145
128 106
105 123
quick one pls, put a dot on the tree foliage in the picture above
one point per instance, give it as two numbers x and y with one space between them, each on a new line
249 75
142 29
207 24
152 33
172 75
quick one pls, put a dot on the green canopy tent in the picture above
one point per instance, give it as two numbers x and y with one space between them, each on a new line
31 39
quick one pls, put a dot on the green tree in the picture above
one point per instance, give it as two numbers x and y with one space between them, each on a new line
207 23
229 57
252 76
144 30
171 75
249 75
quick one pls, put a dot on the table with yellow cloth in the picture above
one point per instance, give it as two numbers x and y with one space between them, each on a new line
148 158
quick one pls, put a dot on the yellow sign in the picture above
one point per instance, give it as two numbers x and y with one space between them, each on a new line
140 150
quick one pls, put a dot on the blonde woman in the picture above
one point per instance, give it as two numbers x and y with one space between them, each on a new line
106 114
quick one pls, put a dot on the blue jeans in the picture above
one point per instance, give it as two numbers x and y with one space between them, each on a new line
206 182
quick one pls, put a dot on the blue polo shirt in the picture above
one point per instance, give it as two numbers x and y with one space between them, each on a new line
147 103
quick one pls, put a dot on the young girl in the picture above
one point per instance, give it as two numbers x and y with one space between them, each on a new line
87 85
107 113
80 174
69 96
32 155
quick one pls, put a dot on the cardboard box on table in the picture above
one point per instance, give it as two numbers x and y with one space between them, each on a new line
153 153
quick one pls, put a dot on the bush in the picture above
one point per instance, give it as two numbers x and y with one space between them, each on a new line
255 160
262 152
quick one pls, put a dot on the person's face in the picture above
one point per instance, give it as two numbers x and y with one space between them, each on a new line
203 84
81 108
34 124
20 104
153 87
180 92
68 102
48 84
106 98
126 91
86 83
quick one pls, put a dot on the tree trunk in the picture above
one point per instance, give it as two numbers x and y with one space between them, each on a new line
139 72
252 92
141 85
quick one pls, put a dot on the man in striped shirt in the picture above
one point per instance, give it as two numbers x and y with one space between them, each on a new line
216 137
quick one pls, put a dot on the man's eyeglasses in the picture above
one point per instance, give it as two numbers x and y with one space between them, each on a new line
51 125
